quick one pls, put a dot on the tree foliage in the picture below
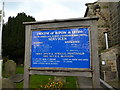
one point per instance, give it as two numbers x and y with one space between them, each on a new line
13 40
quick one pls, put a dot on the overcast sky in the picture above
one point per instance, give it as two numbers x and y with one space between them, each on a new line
47 9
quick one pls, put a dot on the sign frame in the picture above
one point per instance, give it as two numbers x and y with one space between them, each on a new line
88 22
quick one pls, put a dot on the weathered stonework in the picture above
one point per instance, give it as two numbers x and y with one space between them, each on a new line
114 34
103 22
109 21
110 68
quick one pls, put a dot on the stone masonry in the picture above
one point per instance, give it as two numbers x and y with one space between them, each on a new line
109 21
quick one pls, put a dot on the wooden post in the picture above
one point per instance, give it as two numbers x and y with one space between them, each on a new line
94 57
27 57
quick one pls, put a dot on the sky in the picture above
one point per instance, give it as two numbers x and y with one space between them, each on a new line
46 9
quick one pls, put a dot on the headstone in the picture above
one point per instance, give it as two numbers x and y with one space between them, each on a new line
9 68
7 83
17 78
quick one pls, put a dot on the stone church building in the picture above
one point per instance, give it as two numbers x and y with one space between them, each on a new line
108 37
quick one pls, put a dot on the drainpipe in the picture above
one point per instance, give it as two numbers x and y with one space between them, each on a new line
106 39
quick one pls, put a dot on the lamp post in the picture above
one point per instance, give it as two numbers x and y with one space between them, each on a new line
1 60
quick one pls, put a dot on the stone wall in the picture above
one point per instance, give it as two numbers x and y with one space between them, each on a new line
109 69
109 21
114 34
103 21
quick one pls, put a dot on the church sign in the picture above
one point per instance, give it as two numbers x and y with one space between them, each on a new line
65 47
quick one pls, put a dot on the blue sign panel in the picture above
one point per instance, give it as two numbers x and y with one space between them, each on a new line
65 48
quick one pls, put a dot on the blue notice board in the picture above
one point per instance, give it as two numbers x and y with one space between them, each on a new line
65 48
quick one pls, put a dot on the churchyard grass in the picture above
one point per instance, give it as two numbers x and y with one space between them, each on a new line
19 70
37 80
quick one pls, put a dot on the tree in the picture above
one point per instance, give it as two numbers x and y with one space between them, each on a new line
13 41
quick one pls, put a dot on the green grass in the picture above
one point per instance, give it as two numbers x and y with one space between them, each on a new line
36 80
70 82
19 70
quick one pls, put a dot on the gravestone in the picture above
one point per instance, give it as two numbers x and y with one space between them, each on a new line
9 68
7 83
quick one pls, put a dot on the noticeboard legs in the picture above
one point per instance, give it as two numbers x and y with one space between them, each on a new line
95 80
26 80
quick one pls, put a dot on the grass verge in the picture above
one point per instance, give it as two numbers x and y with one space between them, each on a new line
37 80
